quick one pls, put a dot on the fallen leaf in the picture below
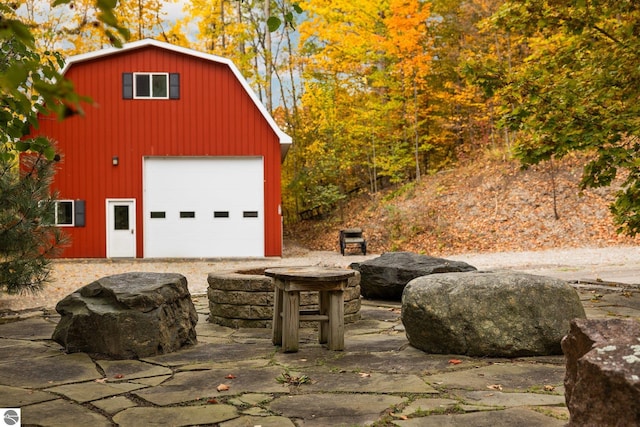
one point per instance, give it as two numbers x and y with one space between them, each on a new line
212 401
364 375
101 380
455 362
399 416
549 388
222 387
230 377
118 376
495 387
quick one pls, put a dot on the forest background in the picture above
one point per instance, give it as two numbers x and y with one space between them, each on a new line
411 118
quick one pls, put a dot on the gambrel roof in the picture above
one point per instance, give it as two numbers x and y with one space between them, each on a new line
285 140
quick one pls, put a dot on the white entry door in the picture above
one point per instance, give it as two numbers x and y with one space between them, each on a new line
121 234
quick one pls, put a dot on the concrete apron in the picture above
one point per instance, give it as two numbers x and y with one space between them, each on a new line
238 378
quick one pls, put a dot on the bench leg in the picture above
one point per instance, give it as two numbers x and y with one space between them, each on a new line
276 326
336 320
291 321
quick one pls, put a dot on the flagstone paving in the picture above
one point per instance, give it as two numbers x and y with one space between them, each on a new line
234 378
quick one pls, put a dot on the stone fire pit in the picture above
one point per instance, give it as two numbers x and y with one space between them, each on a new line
244 299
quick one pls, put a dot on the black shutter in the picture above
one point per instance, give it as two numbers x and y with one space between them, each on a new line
79 212
127 85
174 86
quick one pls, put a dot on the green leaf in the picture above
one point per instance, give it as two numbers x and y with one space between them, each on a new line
108 18
49 152
16 75
23 146
6 156
14 132
297 8
273 23
288 17
20 30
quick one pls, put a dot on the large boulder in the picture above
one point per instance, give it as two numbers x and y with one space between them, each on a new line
386 276
128 316
602 381
502 314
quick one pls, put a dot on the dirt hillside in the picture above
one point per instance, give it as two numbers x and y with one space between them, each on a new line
483 206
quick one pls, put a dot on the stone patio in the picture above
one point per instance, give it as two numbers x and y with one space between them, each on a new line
235 377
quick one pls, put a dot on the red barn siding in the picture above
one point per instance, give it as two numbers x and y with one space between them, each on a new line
213 117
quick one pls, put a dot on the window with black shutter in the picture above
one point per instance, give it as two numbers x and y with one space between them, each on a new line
174 86
127 85
69 213
79 213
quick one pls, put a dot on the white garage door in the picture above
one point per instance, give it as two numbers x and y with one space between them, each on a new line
203 207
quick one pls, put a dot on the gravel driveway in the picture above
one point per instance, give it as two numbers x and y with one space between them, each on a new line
620 264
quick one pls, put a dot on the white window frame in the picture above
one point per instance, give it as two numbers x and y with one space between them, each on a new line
150 74
73 213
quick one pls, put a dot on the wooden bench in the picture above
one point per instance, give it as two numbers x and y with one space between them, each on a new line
330 283
352 236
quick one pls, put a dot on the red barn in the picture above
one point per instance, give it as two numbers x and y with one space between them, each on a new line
175 157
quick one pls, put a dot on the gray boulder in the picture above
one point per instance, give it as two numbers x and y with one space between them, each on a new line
386 276
502 314
602 381
128 316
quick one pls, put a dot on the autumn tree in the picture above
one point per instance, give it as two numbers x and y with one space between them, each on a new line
255 35
337 47
221 29
363 102
577 90
463 119
408 51
73 27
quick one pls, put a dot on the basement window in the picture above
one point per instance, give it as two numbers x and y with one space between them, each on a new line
158 214
187 214
221 214
250 214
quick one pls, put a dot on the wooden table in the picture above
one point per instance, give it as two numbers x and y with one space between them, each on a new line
330 283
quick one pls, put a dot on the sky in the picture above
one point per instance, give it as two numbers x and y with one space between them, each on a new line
174 10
